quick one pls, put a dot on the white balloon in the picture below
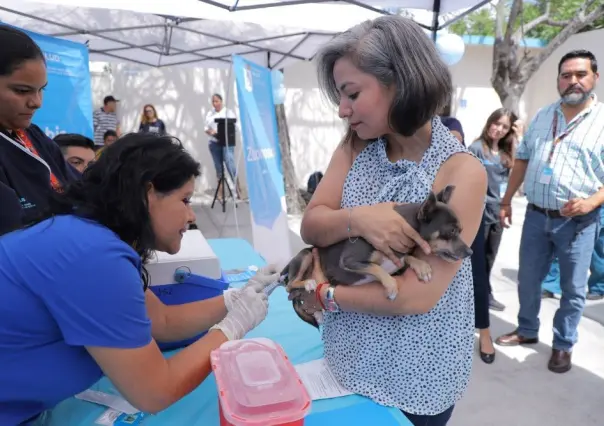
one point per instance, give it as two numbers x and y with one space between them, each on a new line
279 95
451 48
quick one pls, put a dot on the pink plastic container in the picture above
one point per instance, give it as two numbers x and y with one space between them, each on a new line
258 385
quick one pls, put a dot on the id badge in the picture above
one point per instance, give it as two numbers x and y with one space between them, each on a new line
546 175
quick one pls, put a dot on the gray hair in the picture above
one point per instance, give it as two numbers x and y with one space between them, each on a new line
395 50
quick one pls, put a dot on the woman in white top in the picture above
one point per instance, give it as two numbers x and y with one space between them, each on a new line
414 352
221 154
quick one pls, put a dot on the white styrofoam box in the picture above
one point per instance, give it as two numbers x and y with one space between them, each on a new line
195 253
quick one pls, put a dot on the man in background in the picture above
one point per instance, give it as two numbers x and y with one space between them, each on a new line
561 162
77 150
104 119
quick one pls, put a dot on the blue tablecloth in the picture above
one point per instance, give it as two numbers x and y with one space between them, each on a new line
300 341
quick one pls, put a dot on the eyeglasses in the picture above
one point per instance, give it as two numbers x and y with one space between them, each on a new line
148 110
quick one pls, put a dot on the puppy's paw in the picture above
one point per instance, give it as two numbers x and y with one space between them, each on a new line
319 317
391 288
310 285
422 269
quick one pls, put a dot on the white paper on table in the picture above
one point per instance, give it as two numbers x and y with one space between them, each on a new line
319 380
112 401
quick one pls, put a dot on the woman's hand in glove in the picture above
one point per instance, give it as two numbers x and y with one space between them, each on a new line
263 278
246 309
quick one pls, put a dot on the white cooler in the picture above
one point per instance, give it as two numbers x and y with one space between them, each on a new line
195 255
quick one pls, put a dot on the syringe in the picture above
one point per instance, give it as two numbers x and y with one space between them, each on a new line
271 287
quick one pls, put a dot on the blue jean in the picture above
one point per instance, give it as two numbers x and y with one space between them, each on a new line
226 154
572 241
595 283
437 420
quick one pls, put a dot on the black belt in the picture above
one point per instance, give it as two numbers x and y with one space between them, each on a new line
554 214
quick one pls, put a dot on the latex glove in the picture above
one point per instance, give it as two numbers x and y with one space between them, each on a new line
246 309
263 278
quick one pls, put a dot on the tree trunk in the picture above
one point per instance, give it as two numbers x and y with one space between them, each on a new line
509 77
292 194
510 96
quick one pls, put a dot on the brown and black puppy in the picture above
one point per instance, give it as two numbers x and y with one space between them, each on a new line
353 263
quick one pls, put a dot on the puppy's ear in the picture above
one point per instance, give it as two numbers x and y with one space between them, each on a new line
445 195
427 207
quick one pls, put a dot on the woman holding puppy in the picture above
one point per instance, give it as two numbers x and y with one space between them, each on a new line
414 352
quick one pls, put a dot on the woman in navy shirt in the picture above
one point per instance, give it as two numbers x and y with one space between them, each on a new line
74 304
31 164
150 123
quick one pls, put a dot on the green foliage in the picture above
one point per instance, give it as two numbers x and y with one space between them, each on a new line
482 22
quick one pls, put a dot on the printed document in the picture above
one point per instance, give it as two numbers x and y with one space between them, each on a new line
319 380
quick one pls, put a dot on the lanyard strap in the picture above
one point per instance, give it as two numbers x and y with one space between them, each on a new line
25 145
557 139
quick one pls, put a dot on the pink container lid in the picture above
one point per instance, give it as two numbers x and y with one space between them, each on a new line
257 384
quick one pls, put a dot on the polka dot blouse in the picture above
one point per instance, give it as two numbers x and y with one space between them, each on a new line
418 363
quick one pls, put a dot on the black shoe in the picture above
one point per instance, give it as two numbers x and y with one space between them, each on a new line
546 294
594 296
495 305
486 358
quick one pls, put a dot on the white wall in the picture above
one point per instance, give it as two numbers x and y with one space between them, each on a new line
314 126
542 87
475 97
182 98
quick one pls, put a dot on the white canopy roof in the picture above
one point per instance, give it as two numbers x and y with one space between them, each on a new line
162 33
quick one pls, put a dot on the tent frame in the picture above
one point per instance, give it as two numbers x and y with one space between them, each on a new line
172 23
436 9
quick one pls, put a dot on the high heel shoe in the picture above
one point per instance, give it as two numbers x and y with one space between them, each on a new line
486 358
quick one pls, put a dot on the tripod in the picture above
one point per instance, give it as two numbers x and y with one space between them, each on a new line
222 183
225 133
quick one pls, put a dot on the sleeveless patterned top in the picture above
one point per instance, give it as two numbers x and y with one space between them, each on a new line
418 363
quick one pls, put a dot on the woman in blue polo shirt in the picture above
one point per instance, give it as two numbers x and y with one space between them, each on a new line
74 303
31 164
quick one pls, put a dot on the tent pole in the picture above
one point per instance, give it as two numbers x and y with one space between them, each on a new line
228 100
436 13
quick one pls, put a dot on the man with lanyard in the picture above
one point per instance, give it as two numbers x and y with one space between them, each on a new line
561 161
